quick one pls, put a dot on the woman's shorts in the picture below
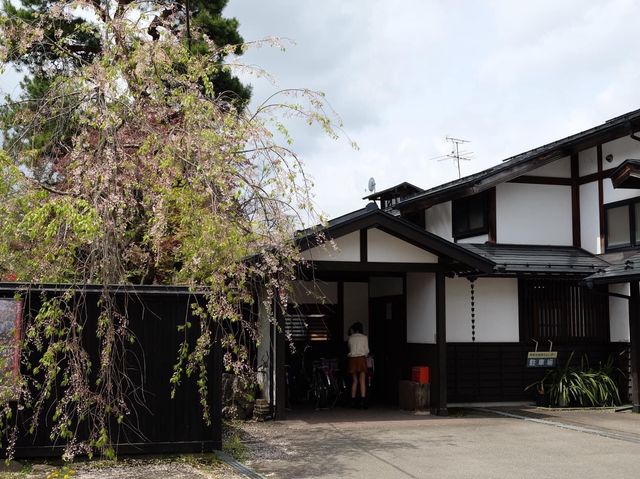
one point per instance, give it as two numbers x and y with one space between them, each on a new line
357 364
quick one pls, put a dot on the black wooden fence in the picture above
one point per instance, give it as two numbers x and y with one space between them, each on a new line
157 423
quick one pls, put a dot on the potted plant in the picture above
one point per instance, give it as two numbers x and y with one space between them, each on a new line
567 385
542 396
542 392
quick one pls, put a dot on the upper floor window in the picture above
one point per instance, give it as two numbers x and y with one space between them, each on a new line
470 215
623 224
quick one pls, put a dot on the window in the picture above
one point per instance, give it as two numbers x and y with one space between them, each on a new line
470 216
562 311
623 224
311 322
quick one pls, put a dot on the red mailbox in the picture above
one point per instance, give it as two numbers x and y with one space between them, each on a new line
420 374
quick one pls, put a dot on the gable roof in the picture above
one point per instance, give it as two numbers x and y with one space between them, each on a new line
524 162
627 175
404 189
372 217
536 259
628 270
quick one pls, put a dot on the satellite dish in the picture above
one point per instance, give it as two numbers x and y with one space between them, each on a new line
372 185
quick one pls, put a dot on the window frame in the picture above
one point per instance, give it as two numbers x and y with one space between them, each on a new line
297 312
564 306
634 242
484 197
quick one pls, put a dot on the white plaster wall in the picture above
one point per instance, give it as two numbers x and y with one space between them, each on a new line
611 194
496 310
385 286
438 220
421 308
314 292
347 249
458 310
383 247
619 313
356 306
588 161
589 218
475 239
560 169
533 214
621 149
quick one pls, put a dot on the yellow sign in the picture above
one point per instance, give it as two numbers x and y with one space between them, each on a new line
542 355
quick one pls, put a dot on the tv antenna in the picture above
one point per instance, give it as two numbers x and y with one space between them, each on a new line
456 155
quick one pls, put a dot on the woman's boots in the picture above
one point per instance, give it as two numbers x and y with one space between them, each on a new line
359 403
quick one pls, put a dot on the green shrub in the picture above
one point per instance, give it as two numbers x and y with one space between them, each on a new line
568 385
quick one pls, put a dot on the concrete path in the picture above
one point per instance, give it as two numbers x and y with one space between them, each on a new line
605 423
391 444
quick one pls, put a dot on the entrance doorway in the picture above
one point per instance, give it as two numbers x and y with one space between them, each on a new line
387 335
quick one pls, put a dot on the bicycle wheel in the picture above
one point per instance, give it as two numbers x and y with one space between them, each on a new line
321 391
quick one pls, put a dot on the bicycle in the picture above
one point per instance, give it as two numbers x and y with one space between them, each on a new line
327 385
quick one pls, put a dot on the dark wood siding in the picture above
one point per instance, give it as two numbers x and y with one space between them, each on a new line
157 423
484 372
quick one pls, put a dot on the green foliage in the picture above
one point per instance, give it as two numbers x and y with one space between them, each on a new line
128 166
209 24
568 385
233 445
64 472
63 42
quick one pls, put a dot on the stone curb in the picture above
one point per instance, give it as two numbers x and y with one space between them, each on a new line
237 466
621 436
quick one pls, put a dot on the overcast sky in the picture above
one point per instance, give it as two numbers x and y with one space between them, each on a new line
506 75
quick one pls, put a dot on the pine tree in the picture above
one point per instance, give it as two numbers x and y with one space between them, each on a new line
70 41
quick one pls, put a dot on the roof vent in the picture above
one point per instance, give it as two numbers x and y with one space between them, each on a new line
372 205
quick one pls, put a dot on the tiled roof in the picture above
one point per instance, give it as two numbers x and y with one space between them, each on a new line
536 259
522 163
628 270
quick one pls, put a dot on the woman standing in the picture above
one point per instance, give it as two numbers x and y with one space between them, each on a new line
357 362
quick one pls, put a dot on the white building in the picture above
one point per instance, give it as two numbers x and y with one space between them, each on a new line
467 276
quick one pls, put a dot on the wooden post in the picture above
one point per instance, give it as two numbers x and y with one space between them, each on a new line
575 199
281 351
439 386
216 369
601 215
634 338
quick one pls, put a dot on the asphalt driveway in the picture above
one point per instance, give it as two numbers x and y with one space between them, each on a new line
470 444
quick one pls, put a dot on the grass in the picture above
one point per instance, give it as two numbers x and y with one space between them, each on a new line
64 472
232 442
234 446
14 469
207 463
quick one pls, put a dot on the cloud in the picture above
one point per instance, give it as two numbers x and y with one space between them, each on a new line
545 38
507 75
10 82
